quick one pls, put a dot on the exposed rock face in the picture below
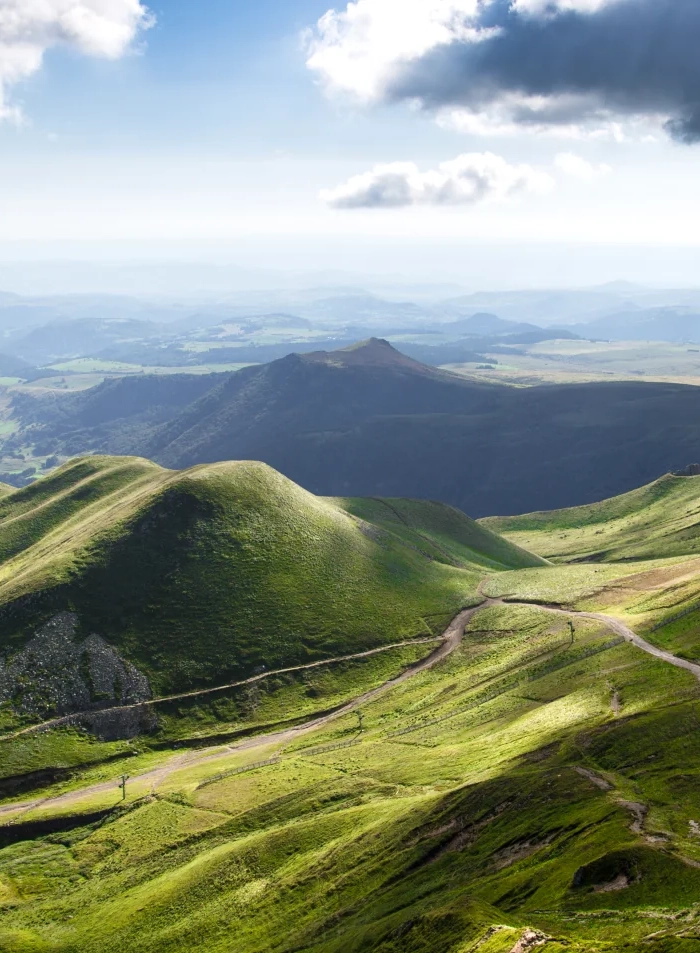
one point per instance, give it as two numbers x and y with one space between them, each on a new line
55 674
693 469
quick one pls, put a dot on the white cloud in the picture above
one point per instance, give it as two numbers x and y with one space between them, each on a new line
28 28
468 179
579 168
359 50
484 67
516 114
356 51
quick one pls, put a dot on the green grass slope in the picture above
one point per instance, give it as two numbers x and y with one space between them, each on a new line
526 793
200 577
537 789
445 532
655 521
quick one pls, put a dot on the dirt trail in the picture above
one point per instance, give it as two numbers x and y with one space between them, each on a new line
639 813
148 703
594 778
451 640
619 627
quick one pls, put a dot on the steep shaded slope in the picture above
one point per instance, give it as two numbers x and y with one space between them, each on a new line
118 415
341 426
274 409
369 421
199 577
661 519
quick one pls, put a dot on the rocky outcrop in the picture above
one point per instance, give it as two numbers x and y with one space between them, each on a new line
57 674
693 469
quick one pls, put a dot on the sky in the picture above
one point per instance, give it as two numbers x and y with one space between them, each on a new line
513 141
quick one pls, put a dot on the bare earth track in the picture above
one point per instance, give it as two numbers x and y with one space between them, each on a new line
69 719
451 640
621 629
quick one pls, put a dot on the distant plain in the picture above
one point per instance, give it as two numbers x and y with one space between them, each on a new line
579 362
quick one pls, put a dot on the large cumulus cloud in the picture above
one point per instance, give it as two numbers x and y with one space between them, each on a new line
551 64
28 28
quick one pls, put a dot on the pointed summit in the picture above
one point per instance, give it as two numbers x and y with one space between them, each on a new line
373 352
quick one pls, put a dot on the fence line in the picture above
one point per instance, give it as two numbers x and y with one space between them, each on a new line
324 748
234 771
675 618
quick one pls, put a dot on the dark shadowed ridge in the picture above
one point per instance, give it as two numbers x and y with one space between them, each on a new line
369 421
374 352
268 411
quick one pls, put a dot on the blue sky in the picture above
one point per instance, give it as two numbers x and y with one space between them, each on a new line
211 127
210 78
209 75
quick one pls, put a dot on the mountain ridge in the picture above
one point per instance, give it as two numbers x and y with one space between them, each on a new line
368 422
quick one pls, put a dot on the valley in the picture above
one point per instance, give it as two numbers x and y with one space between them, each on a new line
522 775
128 375
345 718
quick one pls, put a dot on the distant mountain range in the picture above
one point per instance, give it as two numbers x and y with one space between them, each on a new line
133 340
676 325
368 420
157 330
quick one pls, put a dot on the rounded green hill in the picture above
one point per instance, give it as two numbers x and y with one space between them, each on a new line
203 576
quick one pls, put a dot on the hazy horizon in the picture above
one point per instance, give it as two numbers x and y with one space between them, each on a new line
303 137
209 269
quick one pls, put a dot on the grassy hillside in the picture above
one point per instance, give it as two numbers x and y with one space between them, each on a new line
526 791
446 533
658 520
535 789
200 577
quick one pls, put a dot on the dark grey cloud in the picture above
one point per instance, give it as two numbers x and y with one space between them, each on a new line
629 59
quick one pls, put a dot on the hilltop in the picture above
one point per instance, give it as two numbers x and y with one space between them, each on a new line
374 352
290 411
198 578
657 520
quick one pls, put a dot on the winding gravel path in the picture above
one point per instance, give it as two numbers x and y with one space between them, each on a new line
619 627
64 720
451 640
